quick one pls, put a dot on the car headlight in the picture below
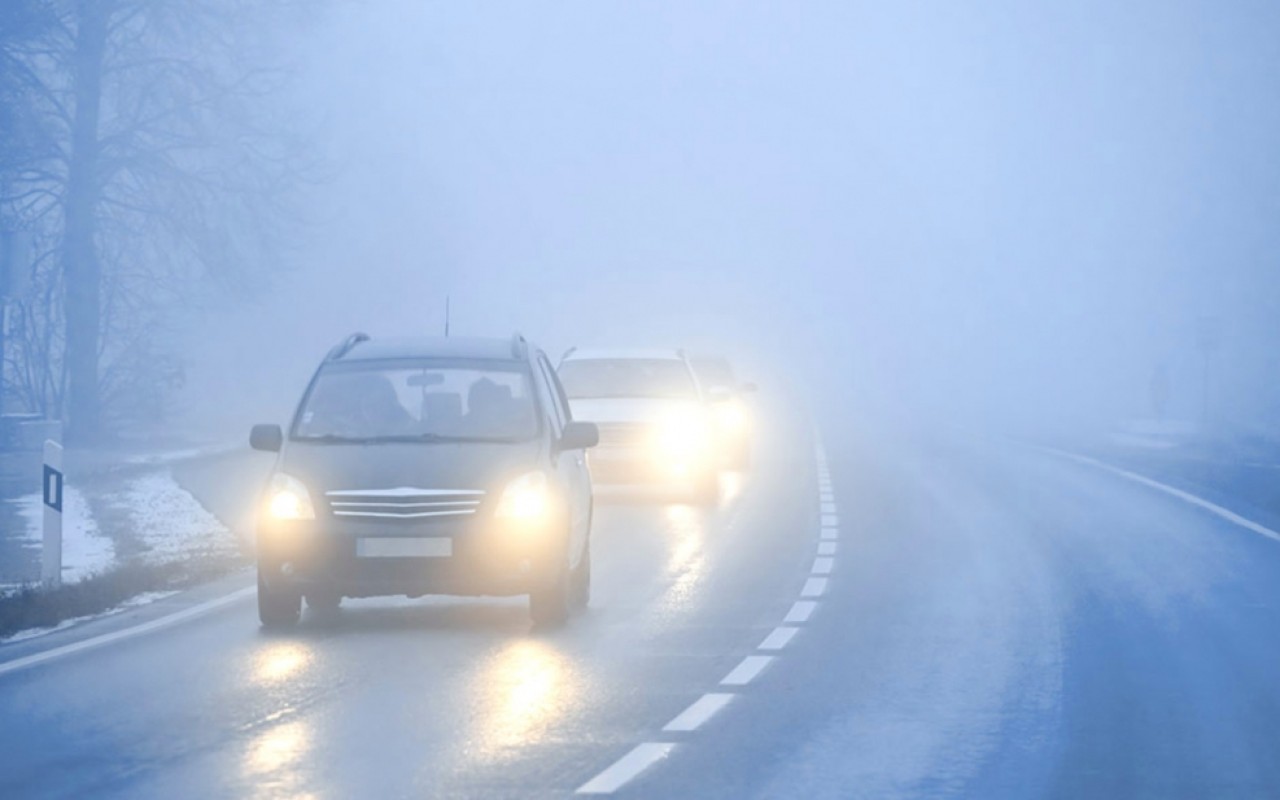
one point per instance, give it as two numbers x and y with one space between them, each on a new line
288 499
680 437
731 416
527 498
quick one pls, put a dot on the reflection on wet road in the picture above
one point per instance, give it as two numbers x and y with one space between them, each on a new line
974 624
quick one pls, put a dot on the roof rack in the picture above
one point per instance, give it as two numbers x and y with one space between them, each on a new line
344 347
519 347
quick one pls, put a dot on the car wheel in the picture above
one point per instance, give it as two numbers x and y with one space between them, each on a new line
549 602
277 608
706 492
582 579
324 601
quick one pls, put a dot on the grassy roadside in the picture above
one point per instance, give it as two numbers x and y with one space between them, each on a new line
37 607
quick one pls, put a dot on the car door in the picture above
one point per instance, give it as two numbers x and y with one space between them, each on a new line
570 464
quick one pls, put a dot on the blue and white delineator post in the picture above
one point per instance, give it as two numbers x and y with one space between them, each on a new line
51 551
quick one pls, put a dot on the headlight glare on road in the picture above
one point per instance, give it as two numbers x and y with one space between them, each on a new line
527 498
288 499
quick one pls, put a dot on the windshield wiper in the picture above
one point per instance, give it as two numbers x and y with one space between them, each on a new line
412 438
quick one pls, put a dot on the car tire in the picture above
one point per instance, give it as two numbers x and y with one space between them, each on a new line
277 608
581 581
549 602
706 492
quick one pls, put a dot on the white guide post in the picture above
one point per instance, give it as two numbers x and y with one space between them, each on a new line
51 553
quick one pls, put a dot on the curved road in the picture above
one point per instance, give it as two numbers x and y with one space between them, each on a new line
932 620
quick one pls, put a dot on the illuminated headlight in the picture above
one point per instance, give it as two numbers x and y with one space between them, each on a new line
731 416
288 499
527 498
680 438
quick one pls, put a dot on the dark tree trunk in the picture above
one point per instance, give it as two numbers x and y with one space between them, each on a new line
81 268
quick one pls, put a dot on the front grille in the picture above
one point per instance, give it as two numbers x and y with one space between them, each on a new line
622 434
404 503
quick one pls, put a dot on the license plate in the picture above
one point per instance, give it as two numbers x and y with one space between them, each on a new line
420 547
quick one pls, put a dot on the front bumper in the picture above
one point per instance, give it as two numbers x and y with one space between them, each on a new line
484 559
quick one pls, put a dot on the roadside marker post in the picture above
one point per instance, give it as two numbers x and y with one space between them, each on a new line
51 552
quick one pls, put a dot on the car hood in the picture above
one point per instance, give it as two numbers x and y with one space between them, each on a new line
629 409
485 466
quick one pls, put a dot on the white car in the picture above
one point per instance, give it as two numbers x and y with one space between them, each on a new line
655 421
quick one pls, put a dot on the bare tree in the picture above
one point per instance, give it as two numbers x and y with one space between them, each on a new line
172 171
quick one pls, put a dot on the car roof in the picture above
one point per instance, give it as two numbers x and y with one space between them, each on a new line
484 348
622 353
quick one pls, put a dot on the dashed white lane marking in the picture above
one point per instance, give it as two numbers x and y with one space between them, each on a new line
779 638
127 633
814 587
747 671
625 769
800 611
1186 497
645 755
703 709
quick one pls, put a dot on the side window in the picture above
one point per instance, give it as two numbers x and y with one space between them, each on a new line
560 402
548 389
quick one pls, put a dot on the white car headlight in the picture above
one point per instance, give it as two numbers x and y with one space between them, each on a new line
731 416
527 498
288 499
681 437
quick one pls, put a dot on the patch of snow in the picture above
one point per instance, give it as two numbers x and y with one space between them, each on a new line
169 520
85 550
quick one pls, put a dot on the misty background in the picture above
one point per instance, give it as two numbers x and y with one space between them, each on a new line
1004 214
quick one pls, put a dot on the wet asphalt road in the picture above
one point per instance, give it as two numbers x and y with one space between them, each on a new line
991 622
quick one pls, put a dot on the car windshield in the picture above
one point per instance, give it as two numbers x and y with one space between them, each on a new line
714 373
626 377
419 400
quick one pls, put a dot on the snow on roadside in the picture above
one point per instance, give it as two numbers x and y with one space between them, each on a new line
169 521
85 550
132 602
155 511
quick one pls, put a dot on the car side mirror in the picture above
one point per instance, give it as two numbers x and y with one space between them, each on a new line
750 387
579 436
268 438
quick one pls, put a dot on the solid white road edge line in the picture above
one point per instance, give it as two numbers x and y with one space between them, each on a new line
826 548
747 671
800 611
1186 497
703 709
822 565
625 769
127 633
779 638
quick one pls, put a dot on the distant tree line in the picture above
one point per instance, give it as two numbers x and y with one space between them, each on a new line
144 147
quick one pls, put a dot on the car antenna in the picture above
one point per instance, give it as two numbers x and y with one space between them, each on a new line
446 316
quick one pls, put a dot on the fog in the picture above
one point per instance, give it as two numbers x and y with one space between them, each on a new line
998 214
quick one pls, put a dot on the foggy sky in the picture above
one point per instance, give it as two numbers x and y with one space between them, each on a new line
1005 211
